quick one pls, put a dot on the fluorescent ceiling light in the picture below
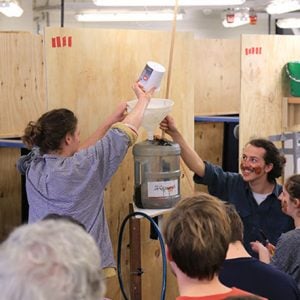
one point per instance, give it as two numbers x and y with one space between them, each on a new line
288 23
127 16
161 3
282 6
11 8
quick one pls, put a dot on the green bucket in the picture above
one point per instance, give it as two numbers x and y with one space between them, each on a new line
293 71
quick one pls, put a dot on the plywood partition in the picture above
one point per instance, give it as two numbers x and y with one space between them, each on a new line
22 98
209 140
264 83
22 84
217 76
10 192
291 114
90 71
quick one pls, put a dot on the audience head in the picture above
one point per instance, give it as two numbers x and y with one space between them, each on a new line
197 234
49 131
236 224
54 216
290 196
50 259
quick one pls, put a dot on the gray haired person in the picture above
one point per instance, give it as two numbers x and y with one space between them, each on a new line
50 259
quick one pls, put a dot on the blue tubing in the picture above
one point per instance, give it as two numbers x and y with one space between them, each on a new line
162 245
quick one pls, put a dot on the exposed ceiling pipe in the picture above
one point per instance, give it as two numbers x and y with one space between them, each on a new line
62 13
68 6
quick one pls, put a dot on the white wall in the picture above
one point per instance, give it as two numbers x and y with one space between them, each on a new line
203 26
24 23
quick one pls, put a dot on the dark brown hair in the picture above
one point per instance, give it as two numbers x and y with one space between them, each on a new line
292 185
49 130
197 233
272 156
236 224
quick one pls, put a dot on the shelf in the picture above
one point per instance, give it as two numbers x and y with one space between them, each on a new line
150 212
11 143
223 119
293 100
289 121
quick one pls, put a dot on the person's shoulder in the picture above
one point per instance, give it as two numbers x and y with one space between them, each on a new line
248 266
25 161
293 234
254 267
236 291
250 273
273 273
278 279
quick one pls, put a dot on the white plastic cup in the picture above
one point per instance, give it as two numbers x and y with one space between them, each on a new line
151 76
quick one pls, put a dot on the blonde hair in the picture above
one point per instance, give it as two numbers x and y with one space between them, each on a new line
197 233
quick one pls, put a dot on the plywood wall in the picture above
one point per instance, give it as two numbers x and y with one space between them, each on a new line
209 140
10 192
217 76
22 84
95 73
22 98
264 83
91 72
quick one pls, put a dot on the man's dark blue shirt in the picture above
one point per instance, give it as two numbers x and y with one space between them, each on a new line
252 275
266 217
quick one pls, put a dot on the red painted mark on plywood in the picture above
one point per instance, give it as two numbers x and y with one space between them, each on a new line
53 42
253 50
64 41
58 42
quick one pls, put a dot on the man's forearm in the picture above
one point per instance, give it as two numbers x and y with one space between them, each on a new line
189 155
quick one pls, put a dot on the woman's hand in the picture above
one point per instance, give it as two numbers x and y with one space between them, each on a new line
271 248
262 251
119 114
141 94
257 246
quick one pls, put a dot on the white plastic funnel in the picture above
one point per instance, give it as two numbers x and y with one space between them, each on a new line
155 112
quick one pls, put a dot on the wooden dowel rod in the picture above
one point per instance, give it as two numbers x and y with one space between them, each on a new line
169 73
